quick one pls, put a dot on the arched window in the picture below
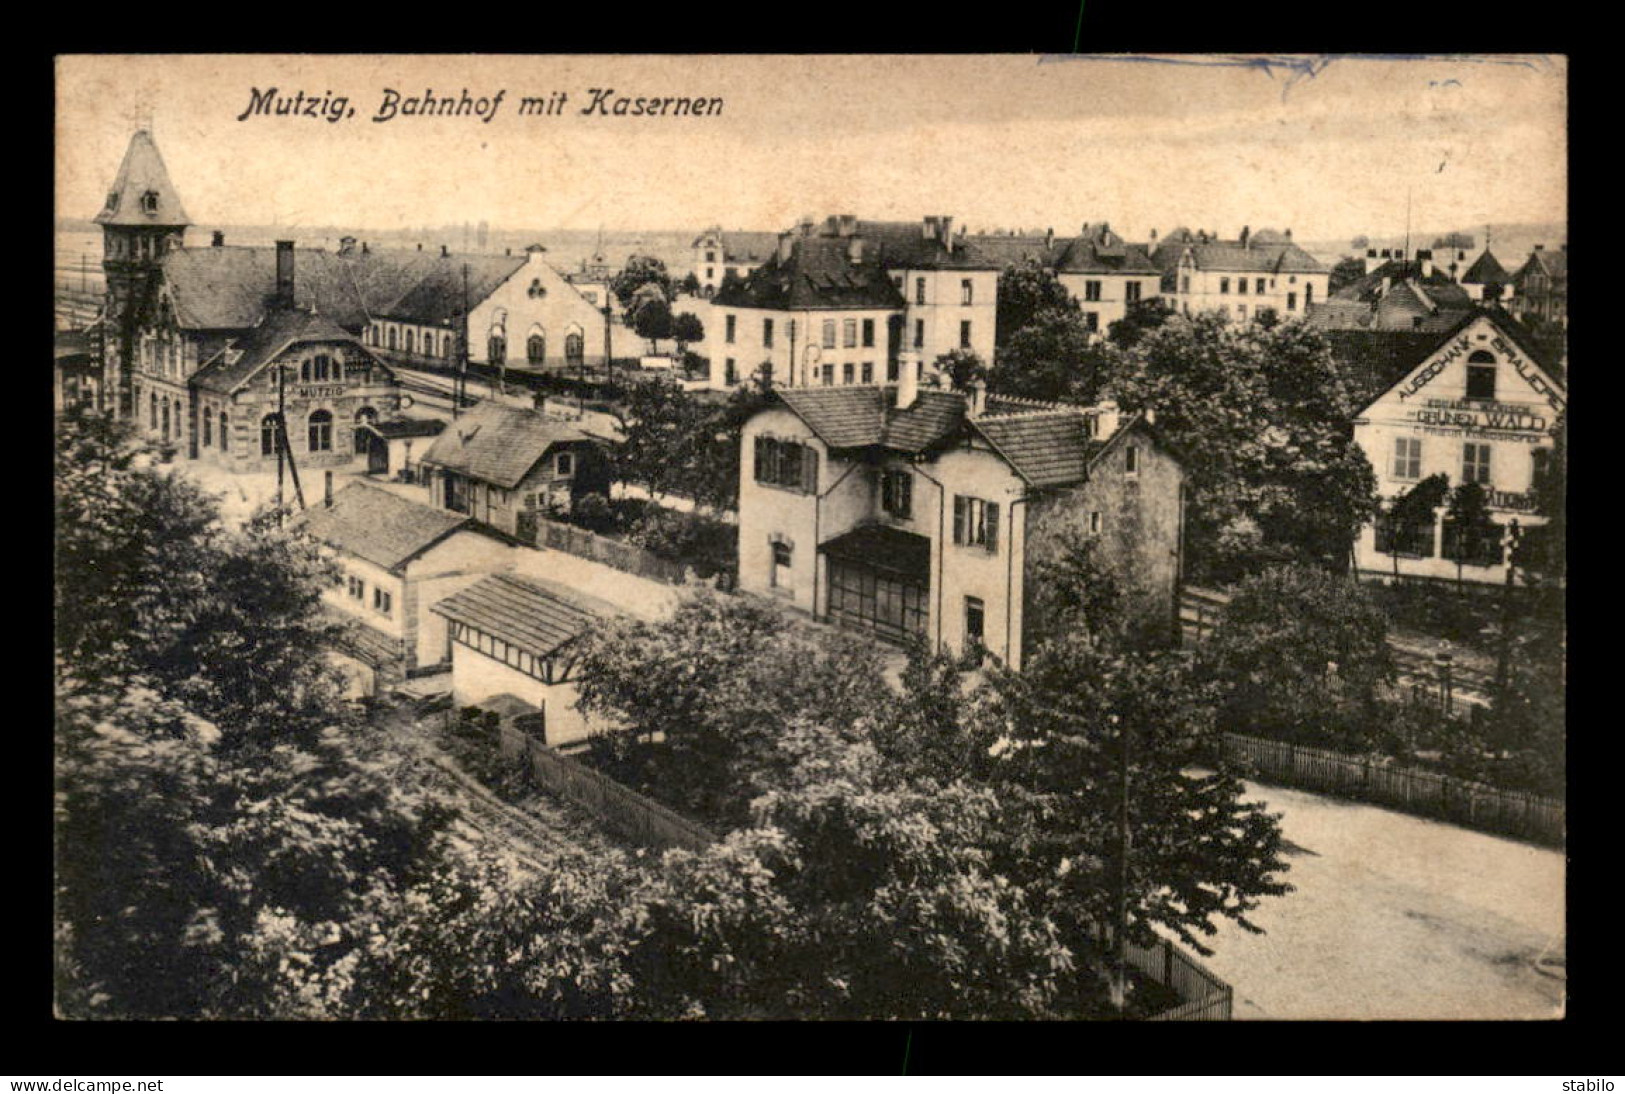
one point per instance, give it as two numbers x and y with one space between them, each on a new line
225 433
575 348
497 349
321 431
391 337
268 435
410 341
536 348
365 416
1481 375
429 349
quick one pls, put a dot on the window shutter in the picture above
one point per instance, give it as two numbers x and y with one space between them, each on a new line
959 519
761 459
992 526
809 469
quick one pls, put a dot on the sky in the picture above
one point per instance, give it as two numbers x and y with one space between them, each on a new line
996 141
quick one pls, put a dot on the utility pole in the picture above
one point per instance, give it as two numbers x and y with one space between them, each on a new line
281 402
609 359
1120 984
459 387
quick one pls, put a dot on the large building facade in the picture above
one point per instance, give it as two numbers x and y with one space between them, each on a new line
1239 278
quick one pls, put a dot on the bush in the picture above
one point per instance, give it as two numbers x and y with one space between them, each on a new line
709 546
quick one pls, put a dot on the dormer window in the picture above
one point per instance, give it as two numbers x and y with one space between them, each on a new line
149 201
112 200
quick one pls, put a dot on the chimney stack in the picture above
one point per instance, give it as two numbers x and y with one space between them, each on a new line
786 243
1246 235
947 229
1425 261
977 397
854 250
845 225
1288 235
908 380
1153 235
284 272
1371 261
347 245
1107 418
445 252
1049 238
219 239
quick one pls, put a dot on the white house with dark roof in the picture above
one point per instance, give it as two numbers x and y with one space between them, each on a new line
1478 402
1541 285
508 466
720 256
838 303
398 558
909 512
1239 278
517 635
1105 274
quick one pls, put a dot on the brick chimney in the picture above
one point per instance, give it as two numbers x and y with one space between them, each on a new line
1107 418
1425 260
1246 236
976 397
786 244
1371 260
219 239
284 272
1049 238
445 252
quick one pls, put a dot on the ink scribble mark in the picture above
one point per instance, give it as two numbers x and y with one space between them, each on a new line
1077 36
1444 83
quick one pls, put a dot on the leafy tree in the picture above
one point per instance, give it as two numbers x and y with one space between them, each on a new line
685 328
1360 243
1301 655
1470 531
1026 291
1259 416
640 270
1140 319
1073 591
653 321
1053 358
962 366
691 284
1347 271
1541 551
1075 723
717 681
1456 241
1411 514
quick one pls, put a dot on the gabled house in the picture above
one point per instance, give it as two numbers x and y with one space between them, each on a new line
517 635
1106 275
908 512
507 466
1541 286
1241 277
398 558
1479 402
723 256
1396 295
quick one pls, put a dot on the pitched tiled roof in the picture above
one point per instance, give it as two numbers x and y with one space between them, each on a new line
1015 250
882 547
1046 448
903 244
1100 250
1369 287
1372 361
819 274
749 246
536 615
499 444
437 296
858 417
227 370
142 172
1555 264
1486 270
1255 258
379 526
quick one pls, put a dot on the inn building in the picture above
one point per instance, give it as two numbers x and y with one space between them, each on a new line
1478 402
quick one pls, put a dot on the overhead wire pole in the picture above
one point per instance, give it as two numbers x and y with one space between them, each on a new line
460 386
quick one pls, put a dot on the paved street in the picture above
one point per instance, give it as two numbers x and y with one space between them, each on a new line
1397 917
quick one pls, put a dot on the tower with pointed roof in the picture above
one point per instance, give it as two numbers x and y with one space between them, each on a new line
142 221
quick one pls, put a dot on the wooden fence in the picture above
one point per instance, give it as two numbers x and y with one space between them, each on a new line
619 808
1203 996
1427 793
615 553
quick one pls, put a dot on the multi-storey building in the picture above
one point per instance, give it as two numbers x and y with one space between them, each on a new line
1241 277
909 512
1479 402
1541 286
1105 275
836 304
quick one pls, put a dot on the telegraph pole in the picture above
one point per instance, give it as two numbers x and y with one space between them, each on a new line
460 385
281 402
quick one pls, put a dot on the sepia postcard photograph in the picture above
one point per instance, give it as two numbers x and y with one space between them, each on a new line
806 537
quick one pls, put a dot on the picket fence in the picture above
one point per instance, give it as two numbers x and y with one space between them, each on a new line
1470 804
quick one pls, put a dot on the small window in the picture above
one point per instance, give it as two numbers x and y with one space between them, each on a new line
1185 283
1094 522
1408 458
1475 463
964 334
358 588
225 433
827 374
1291 301
891 372
1131 292
1481 376
1260 287
536 349
1091 321
1540 466
967 292
267 431
868 332
564 464
321 431
919 333
728 324
730 371
1091 290
829 334
149 201
782 577
382 602
496 349
1224 284
1131 460
767 333
847 373
1241 285
868 372
919 290
976 522
897 493
849 333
